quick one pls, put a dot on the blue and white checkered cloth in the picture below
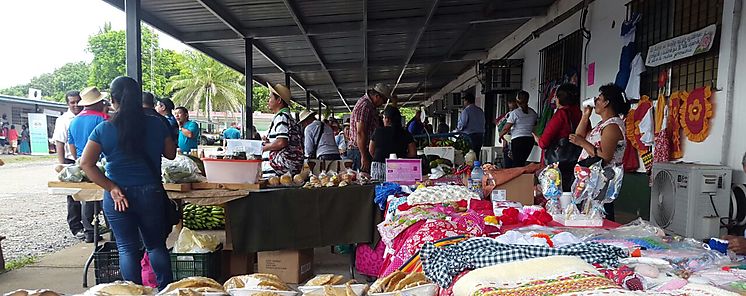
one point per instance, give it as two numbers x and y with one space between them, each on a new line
442 264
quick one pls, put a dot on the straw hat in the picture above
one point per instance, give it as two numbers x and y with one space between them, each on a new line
305 114
91 95
383 89
281 91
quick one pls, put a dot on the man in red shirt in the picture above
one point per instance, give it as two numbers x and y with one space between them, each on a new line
363 121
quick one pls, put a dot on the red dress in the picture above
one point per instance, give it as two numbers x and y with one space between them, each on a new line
563 123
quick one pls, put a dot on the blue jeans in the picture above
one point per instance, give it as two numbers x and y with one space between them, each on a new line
143 222
357 160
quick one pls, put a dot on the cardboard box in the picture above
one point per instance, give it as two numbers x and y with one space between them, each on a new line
237 264
292 266
520 189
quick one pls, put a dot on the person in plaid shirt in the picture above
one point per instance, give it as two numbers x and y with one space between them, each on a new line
363 121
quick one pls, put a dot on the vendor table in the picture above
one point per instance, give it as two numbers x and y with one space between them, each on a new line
277 219
303 218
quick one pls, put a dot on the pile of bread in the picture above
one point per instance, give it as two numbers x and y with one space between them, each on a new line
398 281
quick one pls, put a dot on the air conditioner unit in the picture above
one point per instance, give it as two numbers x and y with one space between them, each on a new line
690 199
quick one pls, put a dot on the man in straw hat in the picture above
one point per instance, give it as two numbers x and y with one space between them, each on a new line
319 140
363 122
81 127
284 139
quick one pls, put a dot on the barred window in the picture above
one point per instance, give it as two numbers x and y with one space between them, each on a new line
665 19
558 62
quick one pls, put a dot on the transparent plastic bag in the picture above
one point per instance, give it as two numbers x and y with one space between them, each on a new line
192 242
71 173
180 170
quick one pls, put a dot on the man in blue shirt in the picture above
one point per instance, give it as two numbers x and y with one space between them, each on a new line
92 101
415 126
188 131
232 132
165 107
81 127
472 123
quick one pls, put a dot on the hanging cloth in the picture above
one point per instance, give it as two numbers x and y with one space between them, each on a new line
674 127
548 111
633 122
628 51
633 85
630 160
660 111
695 114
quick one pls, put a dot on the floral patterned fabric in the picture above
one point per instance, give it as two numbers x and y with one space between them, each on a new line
548 287
594 137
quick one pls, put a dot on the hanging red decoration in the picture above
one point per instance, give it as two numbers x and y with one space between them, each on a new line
632 122
674 106
695 114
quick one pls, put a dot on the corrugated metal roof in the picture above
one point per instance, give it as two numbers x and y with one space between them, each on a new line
329 58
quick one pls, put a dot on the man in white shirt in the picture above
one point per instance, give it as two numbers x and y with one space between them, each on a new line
64 156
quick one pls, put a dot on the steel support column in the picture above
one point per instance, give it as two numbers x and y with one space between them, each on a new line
248 72
321 116
134 42
287 79
308 99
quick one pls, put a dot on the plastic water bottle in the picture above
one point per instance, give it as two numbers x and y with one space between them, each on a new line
475 180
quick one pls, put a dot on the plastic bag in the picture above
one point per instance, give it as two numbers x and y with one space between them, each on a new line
71 173
180 170
147 273
192 242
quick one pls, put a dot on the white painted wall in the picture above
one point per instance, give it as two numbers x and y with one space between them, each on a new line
604 49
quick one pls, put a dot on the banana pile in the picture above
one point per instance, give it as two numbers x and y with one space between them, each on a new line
204 217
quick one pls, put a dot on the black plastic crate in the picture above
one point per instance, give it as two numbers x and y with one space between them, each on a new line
106 263
185 265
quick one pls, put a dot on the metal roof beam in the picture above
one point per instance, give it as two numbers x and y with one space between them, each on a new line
402 25
298 21
416 41
365 44
451 50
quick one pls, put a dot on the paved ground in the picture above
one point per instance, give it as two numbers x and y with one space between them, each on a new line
32 221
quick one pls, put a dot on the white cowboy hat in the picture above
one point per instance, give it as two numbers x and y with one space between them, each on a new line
384 90
91 95
305 114
281 91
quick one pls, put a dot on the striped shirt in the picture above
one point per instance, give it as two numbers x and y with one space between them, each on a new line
280 125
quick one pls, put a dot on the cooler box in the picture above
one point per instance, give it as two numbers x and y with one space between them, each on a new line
232 170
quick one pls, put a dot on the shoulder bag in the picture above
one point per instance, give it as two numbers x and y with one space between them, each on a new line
563 152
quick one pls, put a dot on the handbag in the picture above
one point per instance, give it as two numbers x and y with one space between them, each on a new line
563 152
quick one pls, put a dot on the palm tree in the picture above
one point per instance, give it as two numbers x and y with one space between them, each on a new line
206 82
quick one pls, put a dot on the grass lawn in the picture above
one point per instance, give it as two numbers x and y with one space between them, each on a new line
11 159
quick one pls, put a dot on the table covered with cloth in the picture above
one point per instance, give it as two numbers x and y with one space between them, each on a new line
277 219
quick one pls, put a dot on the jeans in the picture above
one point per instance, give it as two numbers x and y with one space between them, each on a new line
142 223
354 155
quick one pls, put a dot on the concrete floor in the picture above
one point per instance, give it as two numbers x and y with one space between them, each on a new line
62 271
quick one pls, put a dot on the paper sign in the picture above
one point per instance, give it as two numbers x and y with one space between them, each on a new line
404 171
591 74
681 47
37 123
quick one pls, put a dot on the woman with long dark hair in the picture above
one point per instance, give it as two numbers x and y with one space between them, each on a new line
134 204
392 138
608 139
520 124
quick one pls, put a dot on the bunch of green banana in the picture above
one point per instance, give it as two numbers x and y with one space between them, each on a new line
204 217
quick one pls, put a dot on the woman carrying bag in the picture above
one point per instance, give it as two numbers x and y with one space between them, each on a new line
554 142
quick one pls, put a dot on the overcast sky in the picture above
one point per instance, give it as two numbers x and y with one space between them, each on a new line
37 36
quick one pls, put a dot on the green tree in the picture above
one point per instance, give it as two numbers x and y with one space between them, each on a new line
109 61
206 84
260 95
54 85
